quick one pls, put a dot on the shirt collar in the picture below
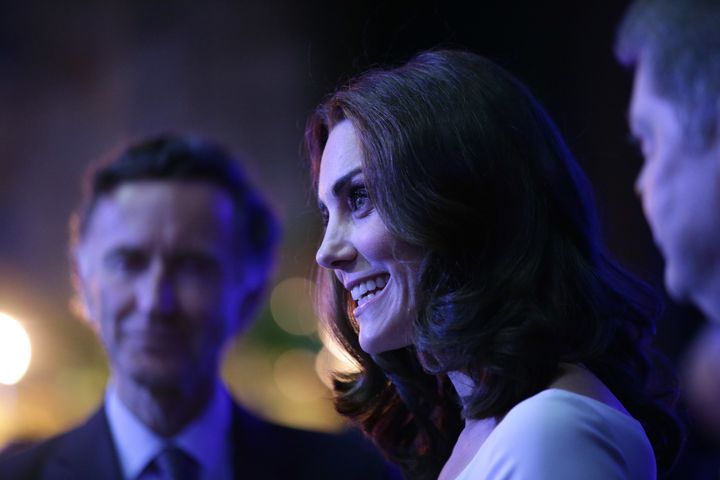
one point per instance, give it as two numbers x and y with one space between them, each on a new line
205 438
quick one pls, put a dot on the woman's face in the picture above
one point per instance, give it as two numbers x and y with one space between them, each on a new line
377 270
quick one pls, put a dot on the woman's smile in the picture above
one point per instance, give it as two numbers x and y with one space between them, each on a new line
366 292
361 251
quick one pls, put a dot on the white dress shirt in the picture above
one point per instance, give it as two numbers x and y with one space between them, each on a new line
206 439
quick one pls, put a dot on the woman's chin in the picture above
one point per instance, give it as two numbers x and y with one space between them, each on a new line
374 343
370 344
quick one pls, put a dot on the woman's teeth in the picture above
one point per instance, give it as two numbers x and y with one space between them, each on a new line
365 299
365 291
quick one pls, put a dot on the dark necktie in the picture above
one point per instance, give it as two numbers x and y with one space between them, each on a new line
174 464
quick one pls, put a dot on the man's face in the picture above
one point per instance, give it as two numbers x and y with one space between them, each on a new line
160 276
680 191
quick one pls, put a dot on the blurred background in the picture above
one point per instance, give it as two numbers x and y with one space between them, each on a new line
79 78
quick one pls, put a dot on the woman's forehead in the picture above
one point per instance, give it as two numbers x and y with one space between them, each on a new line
341 157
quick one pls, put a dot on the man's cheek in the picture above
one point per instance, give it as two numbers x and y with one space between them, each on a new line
196 300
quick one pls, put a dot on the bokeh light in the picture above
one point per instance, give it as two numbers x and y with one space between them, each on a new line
295 376
332 359
15 350
258 379
291 306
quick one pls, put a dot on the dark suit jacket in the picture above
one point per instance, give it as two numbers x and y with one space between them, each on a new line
261 451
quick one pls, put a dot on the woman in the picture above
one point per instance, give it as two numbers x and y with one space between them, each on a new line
494 336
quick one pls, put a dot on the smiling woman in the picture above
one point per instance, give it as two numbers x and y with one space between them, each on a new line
463 271
378 269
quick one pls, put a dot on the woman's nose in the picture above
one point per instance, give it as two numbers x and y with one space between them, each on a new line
336 250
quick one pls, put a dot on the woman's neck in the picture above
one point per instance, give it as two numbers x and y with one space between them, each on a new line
464 385
473 435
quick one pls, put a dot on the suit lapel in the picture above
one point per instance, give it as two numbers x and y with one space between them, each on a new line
246 446
86 453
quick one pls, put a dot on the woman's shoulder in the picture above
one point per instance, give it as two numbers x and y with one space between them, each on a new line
560 413
560 434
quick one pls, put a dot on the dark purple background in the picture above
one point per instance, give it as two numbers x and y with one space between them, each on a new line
79 78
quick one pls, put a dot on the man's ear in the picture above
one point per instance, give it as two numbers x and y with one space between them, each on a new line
80 303
254 290
250 305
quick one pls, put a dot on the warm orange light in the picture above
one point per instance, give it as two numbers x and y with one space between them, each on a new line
342 361
15 350
291 306
295 376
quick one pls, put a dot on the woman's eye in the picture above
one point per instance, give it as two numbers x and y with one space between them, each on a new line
358 199
324 216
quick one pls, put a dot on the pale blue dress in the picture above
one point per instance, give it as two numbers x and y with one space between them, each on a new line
561 435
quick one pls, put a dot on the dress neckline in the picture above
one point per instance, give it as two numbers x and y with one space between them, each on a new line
553 391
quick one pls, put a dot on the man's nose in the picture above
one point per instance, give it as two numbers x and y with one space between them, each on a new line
336 250
157 295
640 182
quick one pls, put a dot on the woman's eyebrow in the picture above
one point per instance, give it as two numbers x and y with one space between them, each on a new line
341 182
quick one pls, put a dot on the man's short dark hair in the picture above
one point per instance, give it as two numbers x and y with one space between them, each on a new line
178 158
680 40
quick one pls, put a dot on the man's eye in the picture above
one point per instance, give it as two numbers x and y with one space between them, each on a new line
358 199
126 261
634 141
642 143
193 264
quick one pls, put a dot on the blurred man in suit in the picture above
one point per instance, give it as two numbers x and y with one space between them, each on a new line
674 48
172 250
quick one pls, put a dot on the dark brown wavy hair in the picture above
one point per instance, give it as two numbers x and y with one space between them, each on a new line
460 160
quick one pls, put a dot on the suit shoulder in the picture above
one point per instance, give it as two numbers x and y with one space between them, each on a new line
82 450
347 454
27 460
308 441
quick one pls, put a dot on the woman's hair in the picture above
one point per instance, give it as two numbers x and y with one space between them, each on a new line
460 160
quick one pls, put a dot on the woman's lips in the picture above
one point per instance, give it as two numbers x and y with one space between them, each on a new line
368 299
